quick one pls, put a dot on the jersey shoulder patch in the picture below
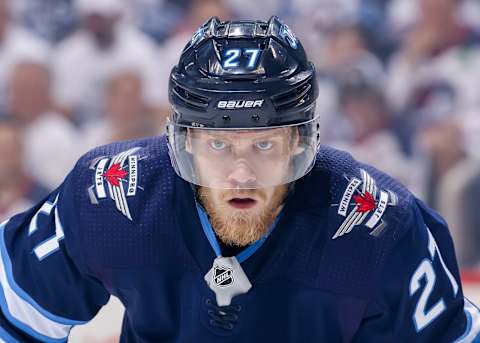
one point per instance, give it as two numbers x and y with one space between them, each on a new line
115 174
114 202
368 212
362 198
364 203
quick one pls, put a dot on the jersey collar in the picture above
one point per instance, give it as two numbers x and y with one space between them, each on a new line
212 238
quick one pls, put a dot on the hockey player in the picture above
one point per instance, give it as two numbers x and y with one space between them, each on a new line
254 235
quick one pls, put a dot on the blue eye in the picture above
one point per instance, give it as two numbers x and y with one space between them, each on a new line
217 144
264 145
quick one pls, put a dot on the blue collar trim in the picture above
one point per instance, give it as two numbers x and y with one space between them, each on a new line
212 239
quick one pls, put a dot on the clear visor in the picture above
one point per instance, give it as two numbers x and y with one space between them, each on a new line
243 158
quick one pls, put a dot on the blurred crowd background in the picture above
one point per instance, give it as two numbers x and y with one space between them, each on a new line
399 87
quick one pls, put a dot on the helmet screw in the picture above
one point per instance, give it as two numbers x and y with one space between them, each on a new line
225 117
256 117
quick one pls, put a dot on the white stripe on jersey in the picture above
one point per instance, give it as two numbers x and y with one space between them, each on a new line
473 323
20 312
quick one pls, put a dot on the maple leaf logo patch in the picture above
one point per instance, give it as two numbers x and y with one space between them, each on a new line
365 202
115 174
116 178
369 204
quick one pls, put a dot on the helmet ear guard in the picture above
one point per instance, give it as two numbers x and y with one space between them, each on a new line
243 75
180 157
305 131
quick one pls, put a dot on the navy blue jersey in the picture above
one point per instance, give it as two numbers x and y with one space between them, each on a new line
354 257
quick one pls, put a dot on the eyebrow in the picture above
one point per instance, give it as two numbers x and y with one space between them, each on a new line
259 136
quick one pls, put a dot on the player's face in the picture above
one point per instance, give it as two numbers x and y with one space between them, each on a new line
236 163
248 159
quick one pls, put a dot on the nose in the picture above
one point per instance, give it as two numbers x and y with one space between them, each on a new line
242 176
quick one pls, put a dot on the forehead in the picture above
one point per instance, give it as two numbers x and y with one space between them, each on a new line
283 132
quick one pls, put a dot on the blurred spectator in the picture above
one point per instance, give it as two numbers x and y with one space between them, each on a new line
53 20
50 140
433 82
198 12
470 126
400 16
250 10
126 116
327 14
316 20
439 48
470 12
457 199
344 58
346 45
361 120
15 44
159 18
471 219
89 57
18 191
372 140
444 144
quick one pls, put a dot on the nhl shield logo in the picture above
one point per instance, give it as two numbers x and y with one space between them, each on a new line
223 276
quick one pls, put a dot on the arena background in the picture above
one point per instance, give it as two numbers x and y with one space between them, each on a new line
399 88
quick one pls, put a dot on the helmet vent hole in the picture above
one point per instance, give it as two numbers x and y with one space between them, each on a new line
294 97
189 99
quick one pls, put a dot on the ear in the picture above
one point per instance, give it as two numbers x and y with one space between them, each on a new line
297 148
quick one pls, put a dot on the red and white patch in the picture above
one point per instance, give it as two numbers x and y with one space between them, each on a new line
363 203
117 178
366 202
115 174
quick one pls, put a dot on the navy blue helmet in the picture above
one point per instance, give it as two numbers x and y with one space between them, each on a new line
240 77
